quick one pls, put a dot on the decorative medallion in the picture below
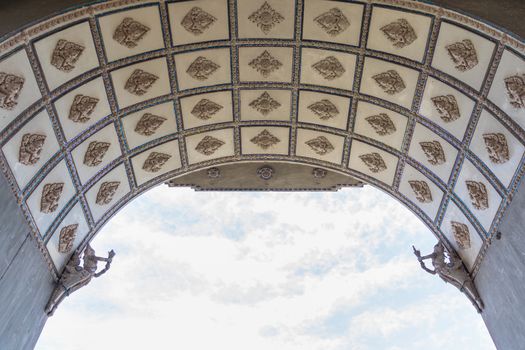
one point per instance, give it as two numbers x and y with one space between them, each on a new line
333 22
390 81
148 124
50 197
319 173
382 124
265 104
208 145
266 18
65 55
265 172
265 139
30 148
106 192
205 109
10 88
434 152
463 54
515 86
155 161
197 21
330 68
129 32
95 152
324 109
140 82
374 162
202 68
67 238
421 190
497 147
265 64
82 108
461 234
447 107
320 145
213 173
400 33
478 194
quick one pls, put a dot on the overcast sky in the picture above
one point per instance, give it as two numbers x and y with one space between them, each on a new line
265 271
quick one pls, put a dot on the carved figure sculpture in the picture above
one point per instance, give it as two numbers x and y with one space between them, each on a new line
447 107
333 22
463 54
330 68
265 64
75 276
449 267
515 86
129 32
30 148
400 33
266 18
82 108
65 55
197 21
10 88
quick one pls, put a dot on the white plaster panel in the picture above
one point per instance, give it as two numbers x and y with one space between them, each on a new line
309 75
306 115
224 115
303 150
282 54
173 163
282 30
411 174
359 148
249 147
222 75
283 112
225 150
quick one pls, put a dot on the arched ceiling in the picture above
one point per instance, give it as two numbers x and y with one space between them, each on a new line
101 103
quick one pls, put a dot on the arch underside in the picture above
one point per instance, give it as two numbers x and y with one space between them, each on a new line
423 103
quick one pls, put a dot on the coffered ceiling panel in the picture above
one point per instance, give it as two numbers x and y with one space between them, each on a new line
203 68
210 145
324 109
373 162
205 109
265 140
266 19
156 161
327 68
266 64
267 104
319 145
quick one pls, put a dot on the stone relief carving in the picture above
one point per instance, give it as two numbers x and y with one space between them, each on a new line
30 148
400 33
197 21
75 276
333 22
265 173
82 108
330 68
148 124
65 55
515 86
155 162
319 173
202 68
324 109
50 196
374 162
265 104
10 88
447 107
497 147
461 234
421 190
382 124
320 145
265 64
205 109
140 82
129 32
390 81
208 145
463 54
265 139
449 267
67 238
106 192
95 152
434 152
213 173
266 18
478 194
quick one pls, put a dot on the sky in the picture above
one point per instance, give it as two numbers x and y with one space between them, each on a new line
261 271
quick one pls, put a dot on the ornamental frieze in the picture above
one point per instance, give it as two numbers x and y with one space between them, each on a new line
497 147
155 162
400 33
463 54
515 87
10 87
320 145
390 81
31 148
140 82
266 18
265 104
205 109
148 124
265 139
202 68
421 190
333 22
330 68
129 32
82 108
447 107
324 109
434 152
197 21
374 162
65 55
106 192
67 238
50 196
461 234
478 194
208 145
382 124
265 64
95 153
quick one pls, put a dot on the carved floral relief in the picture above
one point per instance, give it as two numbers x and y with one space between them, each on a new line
265 172
197 21
390 81
421 190
266 18
463 54
31 148
461 234
478 194
140 82
155 162
434 152
265 104
447 107
208 145
330 68
202 68
497 147
324 109
213 173
65 55
205 109
374 162
320 145
95 153
82 108
129 32
67 238
50 196
148 124
106 192
10 87
515 87
400 33
265 139
333 22
265 64
319 173
382 124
